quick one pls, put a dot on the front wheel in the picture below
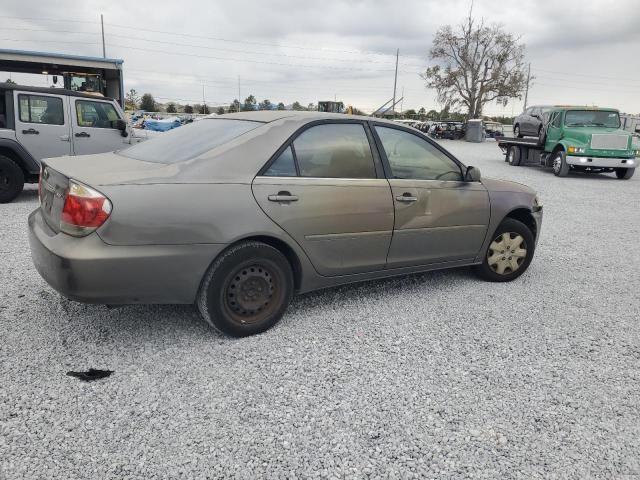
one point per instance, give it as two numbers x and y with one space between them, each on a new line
514 155
560 165
509 254
246 290
625 173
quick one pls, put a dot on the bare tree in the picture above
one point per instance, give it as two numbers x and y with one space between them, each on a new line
475 65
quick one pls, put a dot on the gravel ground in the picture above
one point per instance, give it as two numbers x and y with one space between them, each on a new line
435 375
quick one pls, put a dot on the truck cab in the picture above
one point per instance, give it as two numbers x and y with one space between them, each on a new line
37 123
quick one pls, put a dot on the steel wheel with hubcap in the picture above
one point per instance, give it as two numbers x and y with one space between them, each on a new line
509 253
514 155
506 253
246 290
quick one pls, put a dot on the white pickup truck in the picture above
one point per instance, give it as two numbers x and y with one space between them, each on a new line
37 123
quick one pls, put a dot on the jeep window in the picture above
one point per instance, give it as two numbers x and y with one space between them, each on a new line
41 109
592 118
556 119
96 114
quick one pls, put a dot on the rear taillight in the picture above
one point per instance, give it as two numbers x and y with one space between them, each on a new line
85 209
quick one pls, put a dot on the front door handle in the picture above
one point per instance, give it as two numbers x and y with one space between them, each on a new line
283 196
31 131
83 135
406 197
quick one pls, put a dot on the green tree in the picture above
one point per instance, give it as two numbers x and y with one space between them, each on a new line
432 115
410 113
204 110
296 106
235 106
131 99
11 82
311 107
475 65
249 103
188 109
171 107
422 111
148 103
281 106
265 105
220 111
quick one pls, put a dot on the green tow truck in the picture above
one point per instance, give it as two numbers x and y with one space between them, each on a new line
585 139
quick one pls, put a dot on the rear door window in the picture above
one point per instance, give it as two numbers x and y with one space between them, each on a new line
41 109
283 166
338 150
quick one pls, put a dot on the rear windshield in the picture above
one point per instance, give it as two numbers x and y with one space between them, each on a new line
592 118
189 141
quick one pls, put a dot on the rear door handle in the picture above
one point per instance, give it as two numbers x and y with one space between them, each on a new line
83 134
406 198
31 131
283 197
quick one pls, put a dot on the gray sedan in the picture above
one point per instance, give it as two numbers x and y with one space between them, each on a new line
236 213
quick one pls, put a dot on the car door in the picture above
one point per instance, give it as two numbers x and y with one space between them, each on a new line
438 216
43 124
94 126
554 131
326 191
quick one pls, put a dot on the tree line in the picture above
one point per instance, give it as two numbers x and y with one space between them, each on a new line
147 102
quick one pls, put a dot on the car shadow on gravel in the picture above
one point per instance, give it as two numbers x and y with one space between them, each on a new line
27 196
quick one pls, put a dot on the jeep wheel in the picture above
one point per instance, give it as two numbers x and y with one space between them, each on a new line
625 173
559 163
11 179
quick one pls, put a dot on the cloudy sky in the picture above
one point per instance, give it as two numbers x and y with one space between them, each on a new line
581 51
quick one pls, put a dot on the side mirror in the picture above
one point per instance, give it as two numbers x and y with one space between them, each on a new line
472 174
120 125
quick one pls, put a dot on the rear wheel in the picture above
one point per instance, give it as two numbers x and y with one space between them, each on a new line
514 155
246 290
509 253
559 163
625 173
11 179
516 131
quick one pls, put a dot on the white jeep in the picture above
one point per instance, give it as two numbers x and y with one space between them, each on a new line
37 123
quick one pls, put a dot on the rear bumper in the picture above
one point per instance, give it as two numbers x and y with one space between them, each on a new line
88 270
602 162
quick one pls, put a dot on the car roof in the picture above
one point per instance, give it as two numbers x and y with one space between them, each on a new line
267 116
55 91
583 107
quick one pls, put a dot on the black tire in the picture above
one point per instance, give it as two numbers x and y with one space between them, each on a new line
516 131
514 155
11 179
542 135
513 228
246 290
559 164
625 173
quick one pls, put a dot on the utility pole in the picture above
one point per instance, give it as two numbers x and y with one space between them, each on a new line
395 82
239 96
402 102
204 102
526 93
104 50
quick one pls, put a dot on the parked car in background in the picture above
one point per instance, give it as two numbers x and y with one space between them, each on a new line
237 212
530 122
37 123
